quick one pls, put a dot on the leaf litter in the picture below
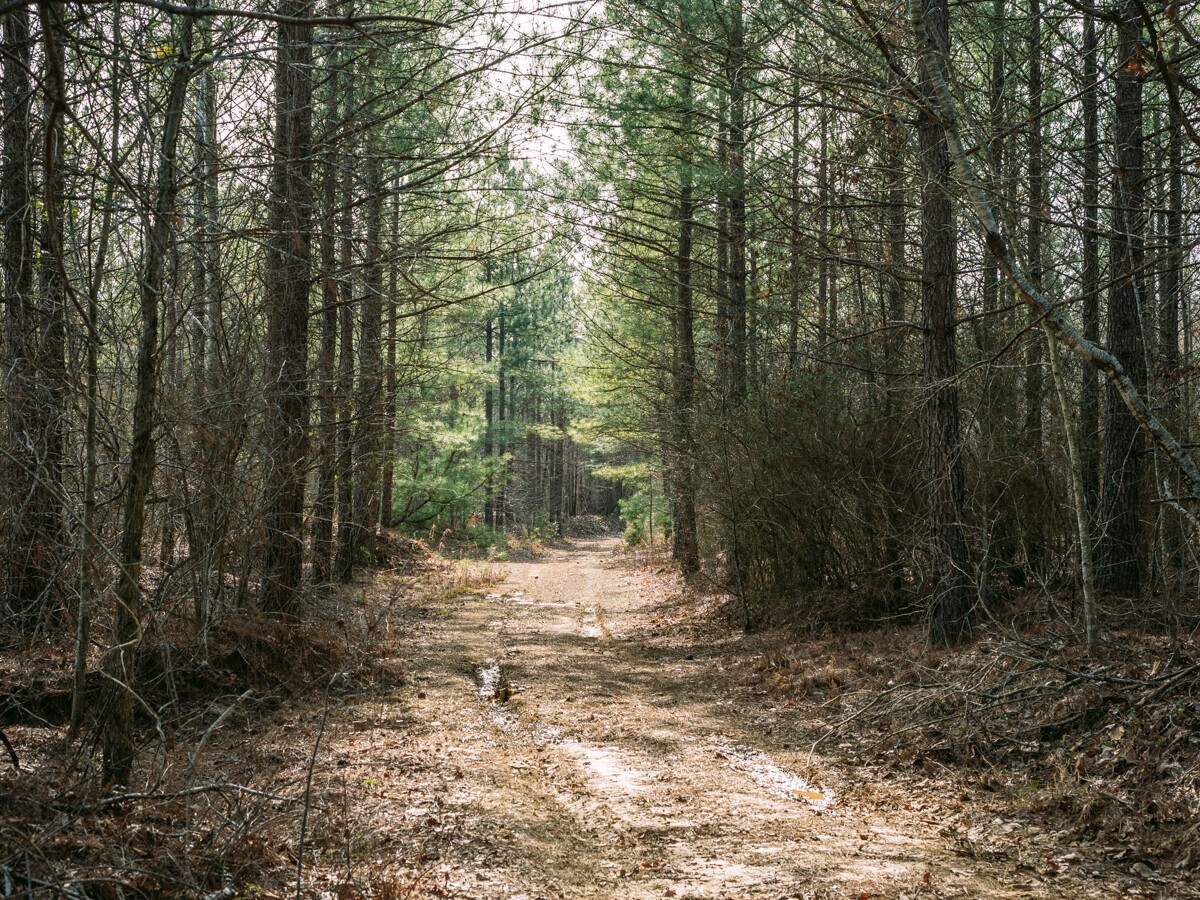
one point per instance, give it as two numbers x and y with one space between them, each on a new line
618 750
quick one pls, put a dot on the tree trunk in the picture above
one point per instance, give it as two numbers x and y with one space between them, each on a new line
1087 579
33 389
1170 296
1034 518
324 505
369 406
1089 397
1118 552
950 605
1033 235
823 227
489 412
721 275
895 315
87 538
502 415
286 284
389 397
895 225
206 510
736 63
996 403
793 333
349 535
683 481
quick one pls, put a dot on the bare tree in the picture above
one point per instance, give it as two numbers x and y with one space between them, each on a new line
118 730
33 324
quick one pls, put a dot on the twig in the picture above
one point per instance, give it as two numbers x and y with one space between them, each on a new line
1159 681
188 792
312 762
214 726
858 712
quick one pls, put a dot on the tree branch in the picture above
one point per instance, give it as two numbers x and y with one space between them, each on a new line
1037 302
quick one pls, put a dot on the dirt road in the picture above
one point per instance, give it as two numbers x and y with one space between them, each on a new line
560 739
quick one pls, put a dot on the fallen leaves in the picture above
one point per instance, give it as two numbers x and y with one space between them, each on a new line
811 796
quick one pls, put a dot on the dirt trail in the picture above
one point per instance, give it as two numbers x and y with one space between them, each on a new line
552 746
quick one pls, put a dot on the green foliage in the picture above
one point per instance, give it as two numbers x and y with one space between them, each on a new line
489 540
647 515
441 477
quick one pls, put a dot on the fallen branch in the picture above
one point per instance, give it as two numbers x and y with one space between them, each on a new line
214 787
220 720
312 761
858 712
12 754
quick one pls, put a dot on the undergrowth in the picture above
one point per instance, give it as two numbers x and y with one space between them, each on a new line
223 802
1021 719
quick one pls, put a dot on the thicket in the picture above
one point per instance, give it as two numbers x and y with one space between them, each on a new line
835 243
278 286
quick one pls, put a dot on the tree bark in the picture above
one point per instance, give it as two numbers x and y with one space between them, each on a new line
286 280
1089 397
950 605
1118 560
683 481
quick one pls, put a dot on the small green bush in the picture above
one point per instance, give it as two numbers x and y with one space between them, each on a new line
640 526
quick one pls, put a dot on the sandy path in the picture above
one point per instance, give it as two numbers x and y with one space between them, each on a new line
600 763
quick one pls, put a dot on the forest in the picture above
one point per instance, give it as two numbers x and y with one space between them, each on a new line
595 426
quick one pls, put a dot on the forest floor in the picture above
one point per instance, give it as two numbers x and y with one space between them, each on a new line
585 729
579 724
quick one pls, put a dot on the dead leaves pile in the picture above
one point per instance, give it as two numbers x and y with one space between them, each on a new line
1074 758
